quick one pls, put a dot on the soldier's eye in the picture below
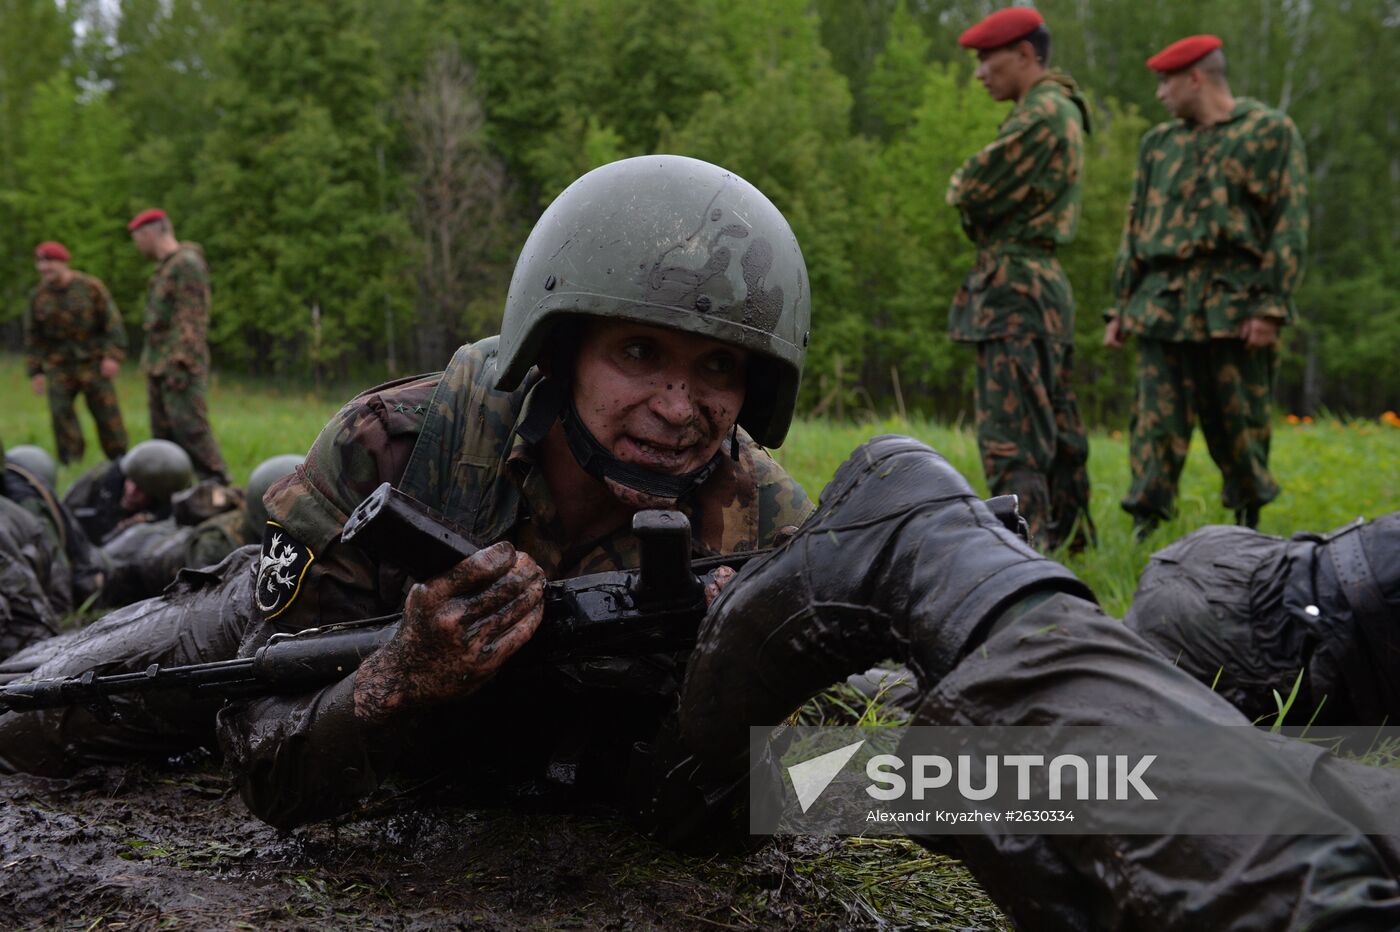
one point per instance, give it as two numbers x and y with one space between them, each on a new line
639 350
721 363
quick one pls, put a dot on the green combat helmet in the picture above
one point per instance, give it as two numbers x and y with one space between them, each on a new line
672 242
159 468
261 479
34 460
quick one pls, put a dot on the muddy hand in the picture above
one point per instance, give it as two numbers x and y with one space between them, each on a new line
716 581
456 632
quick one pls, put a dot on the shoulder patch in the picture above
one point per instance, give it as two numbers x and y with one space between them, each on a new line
280 569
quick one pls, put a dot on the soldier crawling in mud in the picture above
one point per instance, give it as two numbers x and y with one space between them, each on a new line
208 522
1019 200
1213 249
637 407
136 489
47 567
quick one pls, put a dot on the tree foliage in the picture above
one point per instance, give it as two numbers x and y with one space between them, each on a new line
363 174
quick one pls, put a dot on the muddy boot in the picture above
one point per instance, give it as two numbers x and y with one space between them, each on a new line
901 560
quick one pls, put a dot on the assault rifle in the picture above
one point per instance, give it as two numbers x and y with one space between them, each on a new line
655 609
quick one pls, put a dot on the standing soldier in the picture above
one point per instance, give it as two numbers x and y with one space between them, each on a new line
74 343
1213 248
176 355
1019 199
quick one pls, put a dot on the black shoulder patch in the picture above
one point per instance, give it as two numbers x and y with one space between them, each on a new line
280 570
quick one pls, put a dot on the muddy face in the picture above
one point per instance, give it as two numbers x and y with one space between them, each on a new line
656 398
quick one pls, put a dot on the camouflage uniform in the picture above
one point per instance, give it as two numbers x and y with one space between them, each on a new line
75 567
1019 199
68 331
1216 234
451 441
486 480
176 358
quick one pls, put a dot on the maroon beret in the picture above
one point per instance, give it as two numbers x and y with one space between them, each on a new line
1183 53
51 250
145 217
1002 28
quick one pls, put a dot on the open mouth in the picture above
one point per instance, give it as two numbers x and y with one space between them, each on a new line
653 454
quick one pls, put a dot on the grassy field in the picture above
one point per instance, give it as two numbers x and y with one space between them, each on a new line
1331 471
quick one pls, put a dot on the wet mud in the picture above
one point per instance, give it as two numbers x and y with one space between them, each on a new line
173 847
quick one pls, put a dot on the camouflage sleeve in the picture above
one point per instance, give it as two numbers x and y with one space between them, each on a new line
111 339
782 501
307 757
1279 183
996 181
366 443
1127 268
189 312
34 349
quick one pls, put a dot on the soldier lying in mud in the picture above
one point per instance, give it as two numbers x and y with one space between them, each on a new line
662 344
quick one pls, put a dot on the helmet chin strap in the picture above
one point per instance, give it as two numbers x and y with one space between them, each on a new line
602 465
552 399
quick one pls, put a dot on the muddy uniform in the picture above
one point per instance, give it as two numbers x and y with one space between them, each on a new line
1019 199
1216 234
176 358
448 440
145 558
68 331
998 635
1247 612
95 499
77 567
27 561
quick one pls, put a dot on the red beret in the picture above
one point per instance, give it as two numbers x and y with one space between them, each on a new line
51 250
145 217
1183 53
1002 28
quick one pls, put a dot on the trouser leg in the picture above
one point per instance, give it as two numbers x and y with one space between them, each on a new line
155 404
1069 472
1236 397
183 400
1016 426
1160 430
67 432
1064 661
101 397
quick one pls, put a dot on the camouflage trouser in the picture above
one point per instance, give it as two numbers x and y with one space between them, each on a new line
1230 389
1032 441
180 414
64 387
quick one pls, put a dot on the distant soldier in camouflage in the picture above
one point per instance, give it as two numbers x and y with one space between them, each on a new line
176 354
74 343
1019 199
1212 252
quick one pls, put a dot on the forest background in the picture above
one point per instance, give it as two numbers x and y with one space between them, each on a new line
362 173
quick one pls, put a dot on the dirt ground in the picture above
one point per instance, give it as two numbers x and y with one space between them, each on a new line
142 848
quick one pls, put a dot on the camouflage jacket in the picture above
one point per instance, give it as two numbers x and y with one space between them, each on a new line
177 313
449 439
1019 198
72 327
1217 229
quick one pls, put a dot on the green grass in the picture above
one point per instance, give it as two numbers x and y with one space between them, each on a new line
1331 471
